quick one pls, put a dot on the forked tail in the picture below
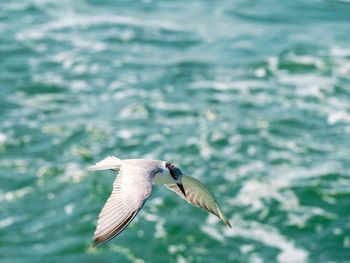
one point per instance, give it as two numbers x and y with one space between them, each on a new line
108 163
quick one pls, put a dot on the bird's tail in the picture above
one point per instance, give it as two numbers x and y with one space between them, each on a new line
108 163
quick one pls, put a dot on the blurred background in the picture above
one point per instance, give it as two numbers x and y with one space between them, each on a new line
251 97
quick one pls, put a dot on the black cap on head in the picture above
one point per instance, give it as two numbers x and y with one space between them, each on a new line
175 172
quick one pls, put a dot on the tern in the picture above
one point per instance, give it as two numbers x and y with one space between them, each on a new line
134 185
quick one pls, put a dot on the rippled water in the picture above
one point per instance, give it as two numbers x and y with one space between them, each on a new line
251 97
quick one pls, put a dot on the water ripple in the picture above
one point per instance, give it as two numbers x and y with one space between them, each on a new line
246 96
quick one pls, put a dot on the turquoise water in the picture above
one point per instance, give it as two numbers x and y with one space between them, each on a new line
250 97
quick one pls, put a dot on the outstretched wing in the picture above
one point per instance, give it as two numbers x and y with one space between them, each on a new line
198 195
130 191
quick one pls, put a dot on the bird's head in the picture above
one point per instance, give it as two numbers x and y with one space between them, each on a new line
176 175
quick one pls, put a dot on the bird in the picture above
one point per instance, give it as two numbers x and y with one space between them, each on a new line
133 186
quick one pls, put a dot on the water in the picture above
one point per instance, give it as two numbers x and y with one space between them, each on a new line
251 97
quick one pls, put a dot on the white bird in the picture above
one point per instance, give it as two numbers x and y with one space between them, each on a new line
134 185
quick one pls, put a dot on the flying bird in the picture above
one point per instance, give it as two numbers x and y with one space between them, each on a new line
134 185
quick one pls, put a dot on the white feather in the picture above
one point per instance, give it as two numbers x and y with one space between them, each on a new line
109 163
130 191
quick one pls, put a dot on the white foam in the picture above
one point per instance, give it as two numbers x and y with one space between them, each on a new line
213 232
269 236
71 20
305 80
125 134
254 192
6 222
343 69
181 259
173 249
340 52
69 208
134 111
3 138
276 187
227 85
73 172
160 230
306 60
338 116
14 195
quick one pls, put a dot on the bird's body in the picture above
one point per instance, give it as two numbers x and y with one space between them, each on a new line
134 184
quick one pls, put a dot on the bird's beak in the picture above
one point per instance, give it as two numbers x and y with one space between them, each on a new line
182 189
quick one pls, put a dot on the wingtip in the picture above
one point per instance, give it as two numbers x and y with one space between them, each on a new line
222 216
95 243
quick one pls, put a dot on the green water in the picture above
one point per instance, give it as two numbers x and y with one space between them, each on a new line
250 97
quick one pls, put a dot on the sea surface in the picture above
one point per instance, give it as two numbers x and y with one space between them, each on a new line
251 97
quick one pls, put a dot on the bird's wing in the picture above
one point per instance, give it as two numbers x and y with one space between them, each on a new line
130 191
198 195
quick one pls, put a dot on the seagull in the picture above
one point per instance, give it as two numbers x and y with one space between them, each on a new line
134 185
